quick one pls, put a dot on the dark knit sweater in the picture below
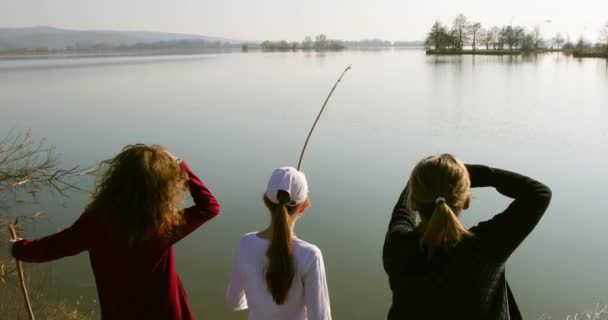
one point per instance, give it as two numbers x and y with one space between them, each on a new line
468 280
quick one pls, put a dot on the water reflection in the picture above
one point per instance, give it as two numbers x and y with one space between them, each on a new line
60 62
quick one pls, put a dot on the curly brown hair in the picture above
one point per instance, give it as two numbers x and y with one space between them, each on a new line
140 193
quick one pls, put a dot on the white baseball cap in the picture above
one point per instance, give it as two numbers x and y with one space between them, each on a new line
290 180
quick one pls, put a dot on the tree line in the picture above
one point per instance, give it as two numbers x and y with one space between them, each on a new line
322 43
183 44
464 33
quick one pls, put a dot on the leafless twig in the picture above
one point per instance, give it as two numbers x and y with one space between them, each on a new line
28 166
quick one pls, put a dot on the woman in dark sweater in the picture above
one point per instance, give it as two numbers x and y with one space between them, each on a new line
129 230
437 268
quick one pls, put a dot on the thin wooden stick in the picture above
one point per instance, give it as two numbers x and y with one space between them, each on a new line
11 229
319 115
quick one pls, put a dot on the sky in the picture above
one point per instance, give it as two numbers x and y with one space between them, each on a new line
294 19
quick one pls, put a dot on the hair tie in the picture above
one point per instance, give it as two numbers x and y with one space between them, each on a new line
439 200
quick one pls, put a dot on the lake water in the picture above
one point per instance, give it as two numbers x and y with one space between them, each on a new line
235 117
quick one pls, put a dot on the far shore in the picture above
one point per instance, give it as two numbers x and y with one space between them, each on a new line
10 55
19 55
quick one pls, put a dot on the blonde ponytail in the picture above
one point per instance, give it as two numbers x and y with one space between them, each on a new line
438 191
443 229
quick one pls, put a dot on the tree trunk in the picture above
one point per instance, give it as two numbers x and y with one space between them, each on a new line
474 40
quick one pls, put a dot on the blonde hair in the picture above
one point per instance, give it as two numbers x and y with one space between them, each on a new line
433 178
139 194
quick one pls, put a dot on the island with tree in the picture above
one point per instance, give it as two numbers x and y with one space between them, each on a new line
469 37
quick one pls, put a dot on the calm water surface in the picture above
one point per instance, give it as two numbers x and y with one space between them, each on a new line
235 117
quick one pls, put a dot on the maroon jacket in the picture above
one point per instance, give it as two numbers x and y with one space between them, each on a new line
132 283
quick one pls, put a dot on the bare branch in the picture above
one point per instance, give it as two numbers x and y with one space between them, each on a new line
27 166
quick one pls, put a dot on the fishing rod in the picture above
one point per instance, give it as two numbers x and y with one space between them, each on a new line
319 115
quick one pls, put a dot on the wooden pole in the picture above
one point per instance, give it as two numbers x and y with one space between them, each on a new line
11 229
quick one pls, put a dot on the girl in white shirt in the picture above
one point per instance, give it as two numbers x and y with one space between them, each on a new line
276 275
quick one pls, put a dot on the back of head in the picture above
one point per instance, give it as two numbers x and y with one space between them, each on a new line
287 190
139 194
439 189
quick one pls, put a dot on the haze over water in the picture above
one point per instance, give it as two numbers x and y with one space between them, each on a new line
235 117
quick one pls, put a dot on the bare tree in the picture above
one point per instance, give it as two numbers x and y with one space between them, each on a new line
538 38
493 35
438 37
459 30
558 40
474 29
528 43
604 35
307 43
320 42
518 36
581 43
509 36
485 38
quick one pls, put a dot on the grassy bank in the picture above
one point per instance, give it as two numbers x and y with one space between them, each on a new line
589 54
475 52
577 53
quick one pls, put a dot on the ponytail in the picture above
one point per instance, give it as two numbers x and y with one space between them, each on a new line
281 266
439 191
443 229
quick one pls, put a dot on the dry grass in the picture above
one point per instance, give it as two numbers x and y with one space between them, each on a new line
12 306
599 313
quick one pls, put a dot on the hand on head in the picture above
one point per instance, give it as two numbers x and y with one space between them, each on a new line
163 149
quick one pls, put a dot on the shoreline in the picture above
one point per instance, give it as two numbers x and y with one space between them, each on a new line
491 52
582 54
161 52
475 52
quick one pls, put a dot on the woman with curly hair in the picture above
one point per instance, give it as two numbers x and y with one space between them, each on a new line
129 229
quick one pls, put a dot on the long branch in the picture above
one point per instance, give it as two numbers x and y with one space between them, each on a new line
11 229
319 115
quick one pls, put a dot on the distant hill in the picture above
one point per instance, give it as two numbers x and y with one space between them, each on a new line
60 39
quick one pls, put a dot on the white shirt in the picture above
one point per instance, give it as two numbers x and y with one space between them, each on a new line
308 297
